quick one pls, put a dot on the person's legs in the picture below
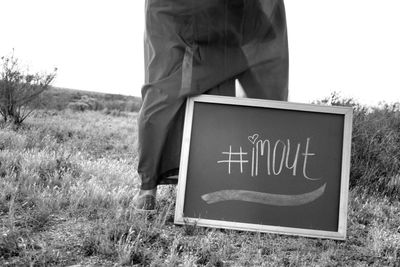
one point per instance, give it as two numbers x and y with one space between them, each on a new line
158 117
174 138
160 133
227 88
266 81
155 120
268 78
175 69
164 52
169 69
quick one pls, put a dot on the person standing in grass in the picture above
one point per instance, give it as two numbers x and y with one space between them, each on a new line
194 47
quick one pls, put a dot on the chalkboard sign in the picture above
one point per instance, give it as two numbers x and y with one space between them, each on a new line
265 166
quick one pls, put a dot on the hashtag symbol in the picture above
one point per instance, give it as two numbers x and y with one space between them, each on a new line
238 159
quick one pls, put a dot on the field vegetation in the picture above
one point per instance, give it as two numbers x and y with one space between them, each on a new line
67 180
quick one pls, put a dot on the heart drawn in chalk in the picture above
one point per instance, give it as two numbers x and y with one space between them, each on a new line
253 138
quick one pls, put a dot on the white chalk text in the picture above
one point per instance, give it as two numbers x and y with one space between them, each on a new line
271 158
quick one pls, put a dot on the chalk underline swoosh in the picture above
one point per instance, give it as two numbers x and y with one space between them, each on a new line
263 198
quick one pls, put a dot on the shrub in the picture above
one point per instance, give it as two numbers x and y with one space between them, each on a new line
18 89
115 105
78 106
85 103
133 105
375 152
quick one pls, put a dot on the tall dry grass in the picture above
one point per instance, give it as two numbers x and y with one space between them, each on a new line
376 150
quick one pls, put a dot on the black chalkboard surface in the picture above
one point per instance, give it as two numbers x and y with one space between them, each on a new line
265 166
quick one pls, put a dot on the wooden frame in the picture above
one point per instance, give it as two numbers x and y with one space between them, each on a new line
347 112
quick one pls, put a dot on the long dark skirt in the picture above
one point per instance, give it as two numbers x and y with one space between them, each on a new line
201 46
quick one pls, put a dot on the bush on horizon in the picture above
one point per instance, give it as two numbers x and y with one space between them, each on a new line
375 152
86 102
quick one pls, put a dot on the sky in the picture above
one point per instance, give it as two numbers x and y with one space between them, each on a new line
348 46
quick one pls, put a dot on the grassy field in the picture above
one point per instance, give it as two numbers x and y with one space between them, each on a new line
67 180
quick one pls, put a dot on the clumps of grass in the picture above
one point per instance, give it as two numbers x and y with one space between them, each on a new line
208 254
128 242
57 171
34 182
115 112
91 133
131 249
373 228
96 242
128 237
10 244
9 139
384 244
19 243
